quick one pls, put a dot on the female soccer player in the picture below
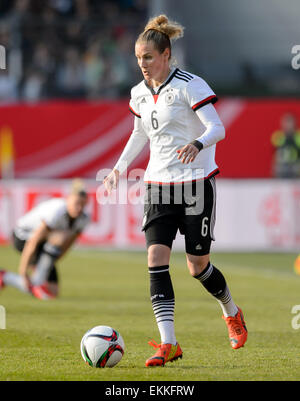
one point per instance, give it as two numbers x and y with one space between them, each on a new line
43 236
174 110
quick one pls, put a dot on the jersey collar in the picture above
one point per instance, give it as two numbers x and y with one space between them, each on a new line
169 79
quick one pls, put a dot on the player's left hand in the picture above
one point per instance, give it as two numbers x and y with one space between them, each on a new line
187 154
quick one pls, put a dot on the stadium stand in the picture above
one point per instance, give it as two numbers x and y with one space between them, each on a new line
69 48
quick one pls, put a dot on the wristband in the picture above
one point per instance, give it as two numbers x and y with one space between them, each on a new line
198 144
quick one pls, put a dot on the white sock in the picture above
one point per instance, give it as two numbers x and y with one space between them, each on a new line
15 280
229 308
167 332
164 314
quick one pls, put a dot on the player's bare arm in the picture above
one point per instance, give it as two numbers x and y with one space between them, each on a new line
39 235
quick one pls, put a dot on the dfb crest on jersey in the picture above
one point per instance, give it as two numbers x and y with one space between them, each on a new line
170 97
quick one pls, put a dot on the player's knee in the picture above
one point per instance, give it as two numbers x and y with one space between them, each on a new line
158 255
197 264
53 250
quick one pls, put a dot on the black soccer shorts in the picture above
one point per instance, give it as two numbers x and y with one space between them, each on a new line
19 246
191 209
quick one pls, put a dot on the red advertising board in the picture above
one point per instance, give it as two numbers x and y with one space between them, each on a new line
71 139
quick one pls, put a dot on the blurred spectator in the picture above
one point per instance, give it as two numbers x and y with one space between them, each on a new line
286 142
43 60
20 9
8 87
94 68
63 7
70 76
34 88
82 9
123 64
5 35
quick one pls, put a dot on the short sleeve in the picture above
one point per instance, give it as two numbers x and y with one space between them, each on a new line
52 219
52 211
133 107
199 93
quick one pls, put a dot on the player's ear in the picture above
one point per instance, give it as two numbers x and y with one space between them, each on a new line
167 53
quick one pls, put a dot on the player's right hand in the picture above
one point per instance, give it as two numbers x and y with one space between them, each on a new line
111 181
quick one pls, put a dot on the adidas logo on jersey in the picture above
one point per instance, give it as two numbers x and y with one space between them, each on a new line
198 247
143 100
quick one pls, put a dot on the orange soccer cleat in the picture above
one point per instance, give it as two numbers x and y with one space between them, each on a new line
42 292
165 353
236 329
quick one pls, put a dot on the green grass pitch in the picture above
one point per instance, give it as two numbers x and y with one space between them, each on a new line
41 340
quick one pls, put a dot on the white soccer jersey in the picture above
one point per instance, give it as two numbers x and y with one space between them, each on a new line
54 213
168 119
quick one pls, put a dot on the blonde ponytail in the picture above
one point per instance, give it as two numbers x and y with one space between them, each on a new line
160 30
162 24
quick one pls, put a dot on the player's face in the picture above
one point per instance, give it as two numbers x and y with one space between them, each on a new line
153 64
76 205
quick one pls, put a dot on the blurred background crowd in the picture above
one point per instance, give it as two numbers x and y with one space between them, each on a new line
69 48
85 48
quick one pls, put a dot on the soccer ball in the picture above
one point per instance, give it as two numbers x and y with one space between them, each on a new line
102 346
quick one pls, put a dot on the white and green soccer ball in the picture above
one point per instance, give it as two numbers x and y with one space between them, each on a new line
102 346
